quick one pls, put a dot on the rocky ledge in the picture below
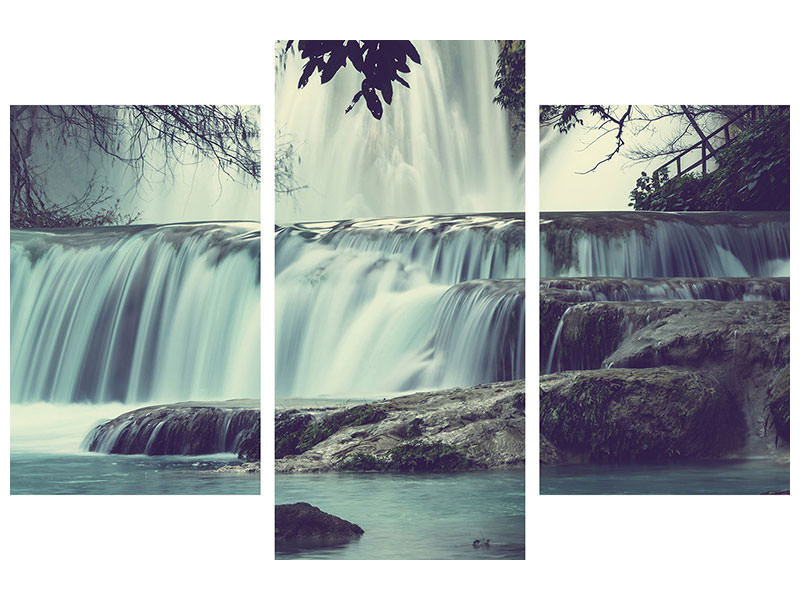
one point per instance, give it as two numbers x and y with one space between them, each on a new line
667 380
480 427
182 428
636 415
304 525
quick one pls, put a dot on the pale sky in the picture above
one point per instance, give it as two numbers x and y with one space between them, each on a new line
562 156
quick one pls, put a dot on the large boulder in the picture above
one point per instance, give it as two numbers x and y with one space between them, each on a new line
182 428
606 310
653 414
304 525
478 427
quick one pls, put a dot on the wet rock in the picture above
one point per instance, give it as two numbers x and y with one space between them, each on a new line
548 453
650 414
484 425
304 525
182 428
745 335
778 404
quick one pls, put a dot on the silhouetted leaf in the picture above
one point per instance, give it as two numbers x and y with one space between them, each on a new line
386 91
356 98
335 62
412 53
354 53
311 48
308 70
401 80
373 103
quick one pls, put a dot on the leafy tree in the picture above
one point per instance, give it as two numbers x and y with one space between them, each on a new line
379 61
144 138
753 174
510 79
627 121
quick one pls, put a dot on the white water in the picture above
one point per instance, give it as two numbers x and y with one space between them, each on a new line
372 307
57 428
442 146
646 244
136 314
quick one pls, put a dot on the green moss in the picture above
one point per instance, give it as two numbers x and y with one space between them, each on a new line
289 426
295 433
414 457
779 405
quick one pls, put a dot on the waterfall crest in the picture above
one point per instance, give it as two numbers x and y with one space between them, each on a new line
133 314
377 306
651 244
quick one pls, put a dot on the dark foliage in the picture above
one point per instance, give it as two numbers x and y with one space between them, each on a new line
510 78
144 138
380 61
249 446
753 174
565 117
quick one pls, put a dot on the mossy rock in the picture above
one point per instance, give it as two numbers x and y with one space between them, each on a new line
622 415
778 405
414 457
297 432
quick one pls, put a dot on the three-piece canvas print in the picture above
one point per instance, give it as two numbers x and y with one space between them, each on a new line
399 400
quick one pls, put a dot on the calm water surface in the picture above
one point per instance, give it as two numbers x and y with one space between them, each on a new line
90 473
405 516
707 477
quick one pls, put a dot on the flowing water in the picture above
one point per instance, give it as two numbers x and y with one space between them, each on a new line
701 477
629 268
435 516
108 319
400 267
442 146
370 307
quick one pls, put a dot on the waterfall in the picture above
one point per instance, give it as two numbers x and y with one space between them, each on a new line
648 244
375 306
135 314
442 146
174 430
607 275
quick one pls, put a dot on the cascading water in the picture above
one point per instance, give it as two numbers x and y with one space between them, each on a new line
650 244
135 314
650 257
441 147
376 306
370 306
400 266
107 320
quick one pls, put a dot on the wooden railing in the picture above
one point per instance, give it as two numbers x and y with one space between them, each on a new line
708 151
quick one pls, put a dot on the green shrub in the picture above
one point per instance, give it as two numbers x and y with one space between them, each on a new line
753 174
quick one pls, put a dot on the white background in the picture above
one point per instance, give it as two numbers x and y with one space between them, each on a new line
221 547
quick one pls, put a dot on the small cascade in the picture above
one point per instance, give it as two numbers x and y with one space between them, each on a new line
649 244
609 289
135 314
377 306
580 301
480 334
628 297
174 430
